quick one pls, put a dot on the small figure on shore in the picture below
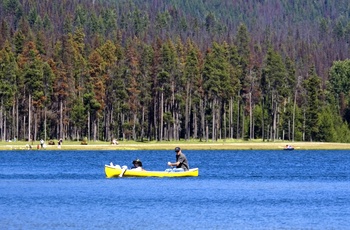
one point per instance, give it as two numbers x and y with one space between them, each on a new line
60 143
114 142
42 143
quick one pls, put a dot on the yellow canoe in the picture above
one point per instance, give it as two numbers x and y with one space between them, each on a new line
112 171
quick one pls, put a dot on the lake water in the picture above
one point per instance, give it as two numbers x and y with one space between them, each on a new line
234 190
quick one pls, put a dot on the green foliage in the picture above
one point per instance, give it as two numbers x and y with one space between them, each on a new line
168 118
19 42
11 6
327 132
340 77
312 85
243 40
215 74
84 141
32 16
33 75
78 115
275 73
8 73
117 61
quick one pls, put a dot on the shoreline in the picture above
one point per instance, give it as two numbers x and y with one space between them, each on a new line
190 145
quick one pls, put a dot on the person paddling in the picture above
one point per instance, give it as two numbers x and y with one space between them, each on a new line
181 161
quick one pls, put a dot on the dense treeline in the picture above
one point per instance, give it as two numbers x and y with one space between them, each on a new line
165 70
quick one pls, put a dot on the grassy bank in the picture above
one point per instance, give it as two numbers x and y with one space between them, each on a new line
170 145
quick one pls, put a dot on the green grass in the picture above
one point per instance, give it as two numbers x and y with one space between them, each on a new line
231 144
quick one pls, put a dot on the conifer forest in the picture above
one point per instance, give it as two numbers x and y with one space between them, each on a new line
168 70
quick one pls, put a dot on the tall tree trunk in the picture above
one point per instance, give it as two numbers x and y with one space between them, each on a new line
29 116
142 123
238 120
251 136
111 123
202 115
122 118
213 121
13 128
106 136
274 122
218 121
24 127
95 129
277 121
243 123
195 123
5 129
35 126
161 110
231 118
174 121
61 121
134 127
207 132
155 128
88 124
65 127
294 107
17 119
45 121
2 123
263 119
224 122
304 124
187 113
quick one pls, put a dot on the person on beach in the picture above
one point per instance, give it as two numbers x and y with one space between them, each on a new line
42 143
181 161
59 143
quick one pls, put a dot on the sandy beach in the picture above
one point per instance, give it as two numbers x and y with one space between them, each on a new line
165 145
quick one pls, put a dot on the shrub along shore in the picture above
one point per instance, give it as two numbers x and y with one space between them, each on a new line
170 145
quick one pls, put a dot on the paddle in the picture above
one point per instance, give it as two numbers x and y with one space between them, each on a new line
171 168
123 171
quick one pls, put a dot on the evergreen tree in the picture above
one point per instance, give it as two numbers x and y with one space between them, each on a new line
96 82
8 89
274 87
217 83
191 78
34 88
340 84
312 86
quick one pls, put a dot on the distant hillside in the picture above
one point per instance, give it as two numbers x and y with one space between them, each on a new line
309 31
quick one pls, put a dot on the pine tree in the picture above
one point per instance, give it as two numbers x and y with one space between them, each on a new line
34 88
313 106
274 86
8 90
217 84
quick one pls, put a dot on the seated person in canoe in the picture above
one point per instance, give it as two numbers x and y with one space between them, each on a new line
137 165
181 161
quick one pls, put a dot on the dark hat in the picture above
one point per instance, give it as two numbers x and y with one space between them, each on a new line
137 161
177 149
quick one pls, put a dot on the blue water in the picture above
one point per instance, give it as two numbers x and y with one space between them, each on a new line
234 190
